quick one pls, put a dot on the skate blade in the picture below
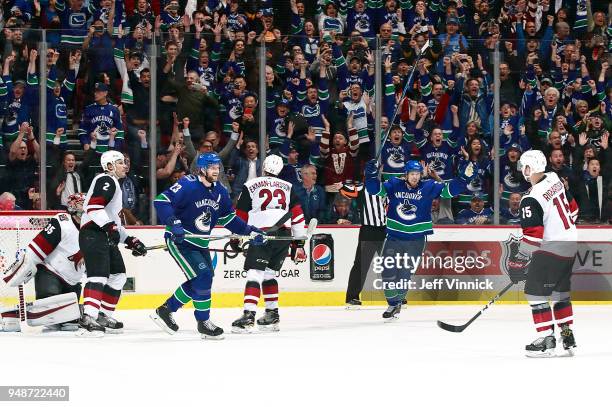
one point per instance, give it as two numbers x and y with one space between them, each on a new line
239 331
268 328
549 353
158 321
350 307
394 318
212 338
568 353
84 333
114 331
69 327
54 328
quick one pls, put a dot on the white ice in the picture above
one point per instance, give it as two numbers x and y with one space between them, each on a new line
323 356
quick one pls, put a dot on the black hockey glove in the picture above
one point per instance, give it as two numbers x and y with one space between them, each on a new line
112 232
298 254
517 268
136 246
235 245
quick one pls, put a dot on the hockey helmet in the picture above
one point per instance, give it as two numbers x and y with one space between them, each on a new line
75 203
110 157
413 166
207 159
535 160
273 164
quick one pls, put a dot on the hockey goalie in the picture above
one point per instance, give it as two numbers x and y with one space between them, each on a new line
52 259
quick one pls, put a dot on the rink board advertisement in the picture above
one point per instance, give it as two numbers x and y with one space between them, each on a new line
465 264
451 276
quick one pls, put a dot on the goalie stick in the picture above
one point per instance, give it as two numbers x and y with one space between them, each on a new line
461 328
312 225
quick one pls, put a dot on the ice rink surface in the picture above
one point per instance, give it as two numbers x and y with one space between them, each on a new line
323 356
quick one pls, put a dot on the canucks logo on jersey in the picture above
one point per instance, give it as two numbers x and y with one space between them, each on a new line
396 160
406 210
437 165
203 222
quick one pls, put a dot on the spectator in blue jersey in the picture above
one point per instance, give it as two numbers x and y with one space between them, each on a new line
477 214
101 127
291 172
73 20
511 179
512 214
311 195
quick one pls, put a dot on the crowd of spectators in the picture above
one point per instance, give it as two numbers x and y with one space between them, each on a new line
555 91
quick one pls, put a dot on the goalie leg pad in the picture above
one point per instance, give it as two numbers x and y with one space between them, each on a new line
9 320
53 310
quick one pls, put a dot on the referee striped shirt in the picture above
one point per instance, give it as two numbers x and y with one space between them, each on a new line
372 209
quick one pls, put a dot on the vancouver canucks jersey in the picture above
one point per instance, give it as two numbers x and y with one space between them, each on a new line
199 208
409 210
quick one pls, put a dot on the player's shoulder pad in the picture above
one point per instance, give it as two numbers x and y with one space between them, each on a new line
62 217
530 201
188 178
91 105
105 177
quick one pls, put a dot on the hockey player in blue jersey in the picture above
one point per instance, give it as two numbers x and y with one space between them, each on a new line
408 222
194 205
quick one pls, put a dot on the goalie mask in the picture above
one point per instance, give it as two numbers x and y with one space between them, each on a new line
75 204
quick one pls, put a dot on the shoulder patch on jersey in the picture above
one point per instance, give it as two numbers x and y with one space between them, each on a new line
62 217
191 177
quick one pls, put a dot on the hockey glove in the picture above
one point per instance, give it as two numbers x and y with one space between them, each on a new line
371 169
112 232
235 245
517 268
136 246
176 229
258 236
298 254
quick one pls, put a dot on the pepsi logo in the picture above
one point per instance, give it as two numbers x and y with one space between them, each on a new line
321 254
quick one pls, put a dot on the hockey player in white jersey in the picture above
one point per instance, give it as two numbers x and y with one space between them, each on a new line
546 254
264 202
101 232
53 259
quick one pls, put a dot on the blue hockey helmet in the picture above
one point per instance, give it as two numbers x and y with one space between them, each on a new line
412 166
206 159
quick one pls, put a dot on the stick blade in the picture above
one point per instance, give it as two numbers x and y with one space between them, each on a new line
451 328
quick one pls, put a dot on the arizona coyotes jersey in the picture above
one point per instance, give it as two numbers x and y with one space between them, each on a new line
103 203
57 248
548 215
265 200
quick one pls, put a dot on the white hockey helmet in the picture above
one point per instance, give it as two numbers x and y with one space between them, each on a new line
273 164
110 157
534 160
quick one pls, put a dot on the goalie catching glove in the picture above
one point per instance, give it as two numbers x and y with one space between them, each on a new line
298 254
136 246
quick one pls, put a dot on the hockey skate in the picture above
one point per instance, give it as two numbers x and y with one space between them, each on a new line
163 318
245 323
353 304
392 313
208 330
71 326
567 337
543 347
269 322
89 327
109 323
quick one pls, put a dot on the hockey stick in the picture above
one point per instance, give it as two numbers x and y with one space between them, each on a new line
404 91
461 328
312 225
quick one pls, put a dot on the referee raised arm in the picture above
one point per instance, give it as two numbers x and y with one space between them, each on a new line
372 210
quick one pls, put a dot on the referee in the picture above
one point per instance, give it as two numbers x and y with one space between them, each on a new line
371 237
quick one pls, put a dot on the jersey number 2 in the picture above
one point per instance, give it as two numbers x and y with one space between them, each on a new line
267 195
564 210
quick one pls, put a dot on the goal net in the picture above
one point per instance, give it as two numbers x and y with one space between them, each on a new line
17 229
